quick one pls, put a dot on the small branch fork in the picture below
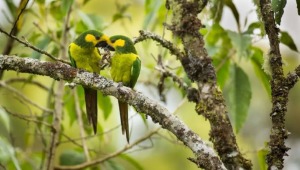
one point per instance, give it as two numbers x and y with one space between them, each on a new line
280 86
205 155
112 155
14 31
27 44
222 133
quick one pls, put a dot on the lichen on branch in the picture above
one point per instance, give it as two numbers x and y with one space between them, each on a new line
204 154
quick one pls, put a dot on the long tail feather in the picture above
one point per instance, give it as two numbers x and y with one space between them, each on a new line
91 106
123 107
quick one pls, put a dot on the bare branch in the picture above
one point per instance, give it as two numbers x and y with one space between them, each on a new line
112 155
280 89
58 106
208 97
27 118
56 125
26 80
24 98
175 78
144 35
18 17
203 153
27 44
293 77
14 31
80 124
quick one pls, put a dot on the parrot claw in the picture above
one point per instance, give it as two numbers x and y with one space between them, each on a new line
71 85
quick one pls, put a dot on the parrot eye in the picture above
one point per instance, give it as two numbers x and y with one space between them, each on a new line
97 37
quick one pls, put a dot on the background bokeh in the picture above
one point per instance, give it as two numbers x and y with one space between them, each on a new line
163 152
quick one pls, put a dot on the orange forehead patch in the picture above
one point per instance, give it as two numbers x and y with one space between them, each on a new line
90 38
119 43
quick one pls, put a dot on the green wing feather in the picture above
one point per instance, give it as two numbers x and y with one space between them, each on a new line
135 72
73 62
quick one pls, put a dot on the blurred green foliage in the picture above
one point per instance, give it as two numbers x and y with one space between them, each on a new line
231 51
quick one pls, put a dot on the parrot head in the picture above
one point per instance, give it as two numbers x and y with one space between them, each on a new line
120 44
91 39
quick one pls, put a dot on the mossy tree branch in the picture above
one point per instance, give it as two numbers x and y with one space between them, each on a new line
280 86
205 155
198 65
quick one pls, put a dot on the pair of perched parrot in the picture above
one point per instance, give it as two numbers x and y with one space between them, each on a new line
125 68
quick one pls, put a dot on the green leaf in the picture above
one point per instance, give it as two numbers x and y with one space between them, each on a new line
262 157
12 8
278 8
298 6
217 39
105 104
217 10
91 21
241 42
7 152
65 6
85 2
234 11
257 61
40 2
114 165
81 27
121 12
287 40
253 26
151 11
55 10
218 45
4 119
222 66
132 161
239 96
71 157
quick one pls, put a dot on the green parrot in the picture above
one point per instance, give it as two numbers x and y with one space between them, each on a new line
125 68
84 54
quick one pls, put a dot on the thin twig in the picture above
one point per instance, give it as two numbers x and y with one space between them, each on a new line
24 98
9 44
293 77
89 137
65 34
142 104
110 156
27 44
56 126
45 33
80 124
26 80
59 100
74 141
2 166
27 118
279 90
18 17
174 77
144 35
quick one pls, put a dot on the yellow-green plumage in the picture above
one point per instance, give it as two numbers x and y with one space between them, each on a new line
84 54
125 68
122 68
87 59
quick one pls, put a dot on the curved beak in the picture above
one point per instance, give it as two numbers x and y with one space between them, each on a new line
104 44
